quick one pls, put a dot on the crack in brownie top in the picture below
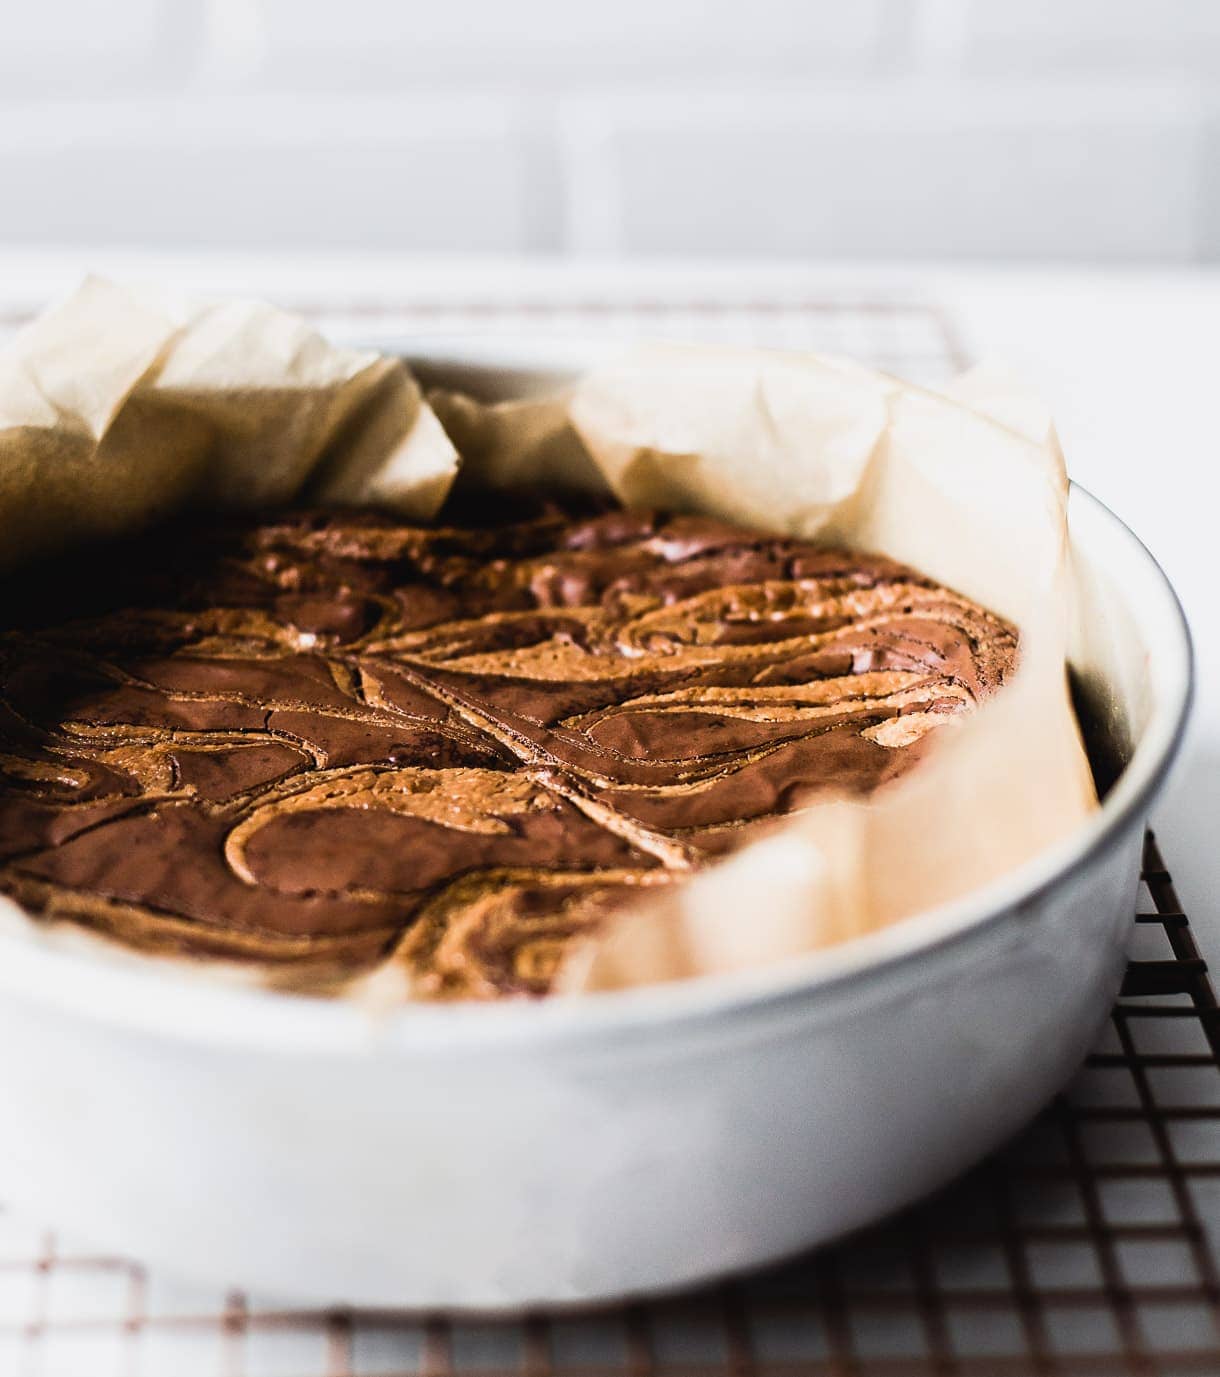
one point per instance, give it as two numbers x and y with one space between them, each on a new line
323 741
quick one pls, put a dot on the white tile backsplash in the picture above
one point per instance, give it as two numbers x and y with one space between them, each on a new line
65 48
1097 35
1067 130
563 44
439 174
876 172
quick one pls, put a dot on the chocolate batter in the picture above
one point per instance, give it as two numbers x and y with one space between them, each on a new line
326 740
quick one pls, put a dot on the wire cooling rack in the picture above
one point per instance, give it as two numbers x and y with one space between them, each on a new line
1087 1246
1080 1248
915 339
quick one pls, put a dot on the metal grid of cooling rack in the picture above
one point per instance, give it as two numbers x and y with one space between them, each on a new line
1088 1246
915 339
1083 1247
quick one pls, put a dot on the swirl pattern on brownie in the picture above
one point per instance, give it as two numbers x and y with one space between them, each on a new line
326 741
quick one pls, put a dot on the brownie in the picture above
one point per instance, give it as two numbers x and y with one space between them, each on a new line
322 741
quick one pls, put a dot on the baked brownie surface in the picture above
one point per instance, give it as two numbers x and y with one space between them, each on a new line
329 740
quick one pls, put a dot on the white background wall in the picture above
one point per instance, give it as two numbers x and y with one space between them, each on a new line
1071 130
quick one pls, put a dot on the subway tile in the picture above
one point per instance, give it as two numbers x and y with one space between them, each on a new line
384 43
998 35
435 174
59 48
889 171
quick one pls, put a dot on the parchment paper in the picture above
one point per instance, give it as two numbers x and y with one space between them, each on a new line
969 488
116 409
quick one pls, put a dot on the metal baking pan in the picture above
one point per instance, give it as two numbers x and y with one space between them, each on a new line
539 1154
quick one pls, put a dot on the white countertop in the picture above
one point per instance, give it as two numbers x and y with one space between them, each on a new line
1127 360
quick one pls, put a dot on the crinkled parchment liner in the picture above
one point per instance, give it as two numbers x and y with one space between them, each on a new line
116 409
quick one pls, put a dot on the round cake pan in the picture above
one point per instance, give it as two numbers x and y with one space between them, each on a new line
578 1150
